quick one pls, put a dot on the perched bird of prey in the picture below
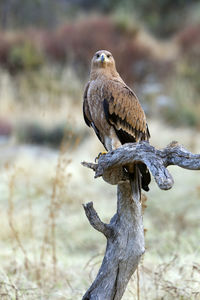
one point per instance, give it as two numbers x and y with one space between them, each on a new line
112 109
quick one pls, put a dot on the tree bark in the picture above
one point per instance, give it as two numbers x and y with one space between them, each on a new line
125 232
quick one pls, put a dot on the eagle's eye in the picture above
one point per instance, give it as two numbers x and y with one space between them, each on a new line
97 55
108 55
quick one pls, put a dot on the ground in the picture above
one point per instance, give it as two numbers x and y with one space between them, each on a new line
48 248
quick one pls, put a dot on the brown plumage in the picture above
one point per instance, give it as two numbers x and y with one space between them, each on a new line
112 108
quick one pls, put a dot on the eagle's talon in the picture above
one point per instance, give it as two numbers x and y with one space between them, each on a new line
99 155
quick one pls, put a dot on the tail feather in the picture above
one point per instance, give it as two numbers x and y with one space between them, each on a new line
145 176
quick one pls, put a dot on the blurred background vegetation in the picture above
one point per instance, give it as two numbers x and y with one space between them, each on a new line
45 52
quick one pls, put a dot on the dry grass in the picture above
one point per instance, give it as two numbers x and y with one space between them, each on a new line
46 96
36 260
49 251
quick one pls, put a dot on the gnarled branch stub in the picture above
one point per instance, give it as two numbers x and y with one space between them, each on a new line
111 165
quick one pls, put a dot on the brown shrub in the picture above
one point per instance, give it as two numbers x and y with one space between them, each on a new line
5 46
189 39
78 41
18 51
5 128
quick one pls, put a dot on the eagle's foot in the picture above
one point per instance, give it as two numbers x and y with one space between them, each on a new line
99 155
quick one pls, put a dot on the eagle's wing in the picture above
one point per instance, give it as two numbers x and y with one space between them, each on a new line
87 115
86 111
124 112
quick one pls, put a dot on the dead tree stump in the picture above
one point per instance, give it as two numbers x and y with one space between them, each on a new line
125 232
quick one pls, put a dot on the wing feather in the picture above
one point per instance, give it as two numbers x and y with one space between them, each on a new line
124 112
87 115
86 111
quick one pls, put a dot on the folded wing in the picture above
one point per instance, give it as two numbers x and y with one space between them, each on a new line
124 112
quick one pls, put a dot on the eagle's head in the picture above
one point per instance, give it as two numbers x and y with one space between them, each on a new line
103 59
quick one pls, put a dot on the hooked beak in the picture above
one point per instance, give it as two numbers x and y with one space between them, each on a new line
102 58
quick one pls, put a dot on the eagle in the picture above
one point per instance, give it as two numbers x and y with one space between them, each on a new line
113 110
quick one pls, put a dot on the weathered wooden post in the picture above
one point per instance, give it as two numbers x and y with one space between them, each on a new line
125 233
